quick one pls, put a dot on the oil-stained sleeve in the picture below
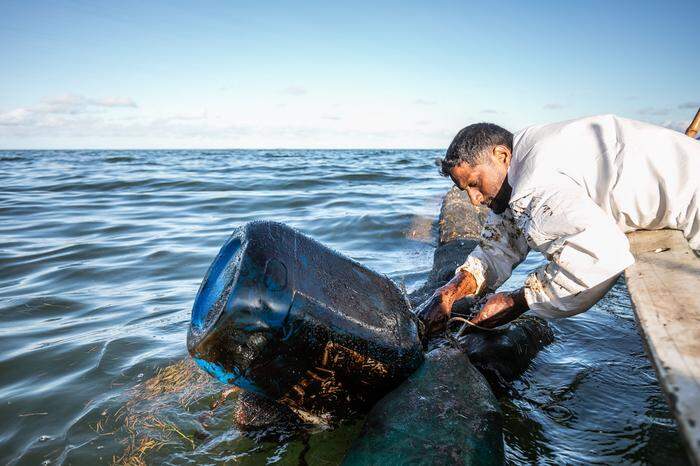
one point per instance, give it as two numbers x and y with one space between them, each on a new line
586 251
501 248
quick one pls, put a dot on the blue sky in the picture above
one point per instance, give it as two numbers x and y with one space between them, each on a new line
333 74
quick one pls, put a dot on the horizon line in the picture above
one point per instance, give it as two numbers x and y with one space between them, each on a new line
228 148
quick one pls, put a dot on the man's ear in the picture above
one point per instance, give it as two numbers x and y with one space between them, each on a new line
501 154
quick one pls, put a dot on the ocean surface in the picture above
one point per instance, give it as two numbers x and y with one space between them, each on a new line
102 252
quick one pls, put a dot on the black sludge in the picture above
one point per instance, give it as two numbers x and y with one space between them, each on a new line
444 413
266 419
505 353
287 318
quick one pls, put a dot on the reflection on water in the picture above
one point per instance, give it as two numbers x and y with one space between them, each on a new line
101 256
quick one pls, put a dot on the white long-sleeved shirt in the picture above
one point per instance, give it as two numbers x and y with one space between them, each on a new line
578 186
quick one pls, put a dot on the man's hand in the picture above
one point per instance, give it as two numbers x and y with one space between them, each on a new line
436 310
500 309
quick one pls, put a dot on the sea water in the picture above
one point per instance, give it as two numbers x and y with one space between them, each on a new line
101 255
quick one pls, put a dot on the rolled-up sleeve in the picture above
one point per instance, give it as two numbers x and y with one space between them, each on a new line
586 252
501 248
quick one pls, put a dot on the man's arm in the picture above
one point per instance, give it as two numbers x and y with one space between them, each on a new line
586 251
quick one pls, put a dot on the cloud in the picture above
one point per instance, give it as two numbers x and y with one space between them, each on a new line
553 106
76 100
64 104
294 90
25 124
114 102
184 117
17 117
54 111
76 121
691 105
63 111
424 102
654 111
678 125
76 103
27 129
490 111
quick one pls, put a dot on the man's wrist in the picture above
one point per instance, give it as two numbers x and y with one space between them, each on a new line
447 294
519 301
466 283
463 284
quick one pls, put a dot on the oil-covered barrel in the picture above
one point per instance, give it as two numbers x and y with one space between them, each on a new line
283 316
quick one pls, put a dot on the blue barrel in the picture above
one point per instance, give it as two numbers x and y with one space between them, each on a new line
285 317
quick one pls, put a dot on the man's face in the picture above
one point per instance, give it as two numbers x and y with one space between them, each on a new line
486 183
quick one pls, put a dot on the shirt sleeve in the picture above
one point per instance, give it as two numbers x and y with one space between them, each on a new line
501 248
585 248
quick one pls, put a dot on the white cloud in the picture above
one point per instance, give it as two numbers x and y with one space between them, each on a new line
191 116
553 106
424 102
76 121
294 90
17 117
63 110
490 111
114 102
691 105
678 125
654 111
103 131
76 103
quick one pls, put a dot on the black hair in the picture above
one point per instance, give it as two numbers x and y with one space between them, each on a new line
471 143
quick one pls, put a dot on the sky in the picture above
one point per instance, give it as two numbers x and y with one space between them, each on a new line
361 74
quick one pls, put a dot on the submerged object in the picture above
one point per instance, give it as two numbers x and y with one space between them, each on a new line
504 353
285 317
253 413
444 413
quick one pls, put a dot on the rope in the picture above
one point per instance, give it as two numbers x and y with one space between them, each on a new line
467 323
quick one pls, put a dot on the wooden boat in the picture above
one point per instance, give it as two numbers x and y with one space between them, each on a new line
664 284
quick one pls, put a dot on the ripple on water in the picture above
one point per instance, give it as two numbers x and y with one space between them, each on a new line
102 253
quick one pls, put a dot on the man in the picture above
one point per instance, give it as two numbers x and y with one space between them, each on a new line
570 191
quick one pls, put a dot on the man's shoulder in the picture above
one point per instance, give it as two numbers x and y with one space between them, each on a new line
564 130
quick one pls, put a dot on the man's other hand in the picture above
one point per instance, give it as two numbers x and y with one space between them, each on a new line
500 309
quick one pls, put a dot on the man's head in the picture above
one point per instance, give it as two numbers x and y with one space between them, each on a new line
478 161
